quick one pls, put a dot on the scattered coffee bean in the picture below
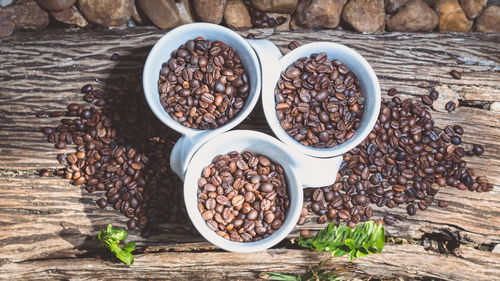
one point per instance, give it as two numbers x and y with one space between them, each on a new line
294 45
434 95
118 151
42 114
455 74
389 219
318 101
305 233
458 129
251 36
442 203
244 205
477 149
411 210
45 173
115 57
404 160
427 100
87 88
450 106
102 203
203 85
392 92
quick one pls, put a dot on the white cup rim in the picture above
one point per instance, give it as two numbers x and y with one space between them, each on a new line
151 92
370 115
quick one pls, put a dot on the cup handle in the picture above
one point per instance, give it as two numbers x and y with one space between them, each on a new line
184 149
317 172
268 54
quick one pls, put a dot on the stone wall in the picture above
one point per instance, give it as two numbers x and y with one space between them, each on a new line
367 16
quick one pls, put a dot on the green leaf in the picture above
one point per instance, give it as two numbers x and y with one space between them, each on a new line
366 238
129 247
111 238
125 257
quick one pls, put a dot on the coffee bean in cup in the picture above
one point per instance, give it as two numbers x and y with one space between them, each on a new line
204 84
318 101
243 197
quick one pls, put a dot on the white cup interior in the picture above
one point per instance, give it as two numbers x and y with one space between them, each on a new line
258 143
161 53
369 84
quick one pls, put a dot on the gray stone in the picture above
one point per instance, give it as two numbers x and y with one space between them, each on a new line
209 10
415 16
106 12
489 21
275 6
318 13
366 16
236 15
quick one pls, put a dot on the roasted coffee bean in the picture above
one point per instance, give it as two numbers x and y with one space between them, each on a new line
411 210
305 233
427 100
455 74
115 57
450 106
456 140
477 149
42 114
434 95
442 203
389 219
329 97
44 173
203 85
87 88
102 203
293 45
256 208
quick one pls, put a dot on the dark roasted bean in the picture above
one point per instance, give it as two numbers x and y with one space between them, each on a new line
450 106
455 74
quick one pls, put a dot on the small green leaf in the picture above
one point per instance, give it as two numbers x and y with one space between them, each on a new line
118 234
366 238
125 257
111 238
129 247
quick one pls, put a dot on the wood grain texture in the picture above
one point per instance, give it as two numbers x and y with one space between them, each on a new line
409 261
48 227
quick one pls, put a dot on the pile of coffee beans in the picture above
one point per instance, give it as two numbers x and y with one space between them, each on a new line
404 160
203 85
318 101
243 197
123 151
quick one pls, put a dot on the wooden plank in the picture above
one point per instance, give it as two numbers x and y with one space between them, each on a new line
48 217
408 261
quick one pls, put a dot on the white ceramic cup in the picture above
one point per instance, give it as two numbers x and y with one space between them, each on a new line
297 166
192 139
273 63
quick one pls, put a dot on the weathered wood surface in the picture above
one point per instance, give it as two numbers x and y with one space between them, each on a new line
48 227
